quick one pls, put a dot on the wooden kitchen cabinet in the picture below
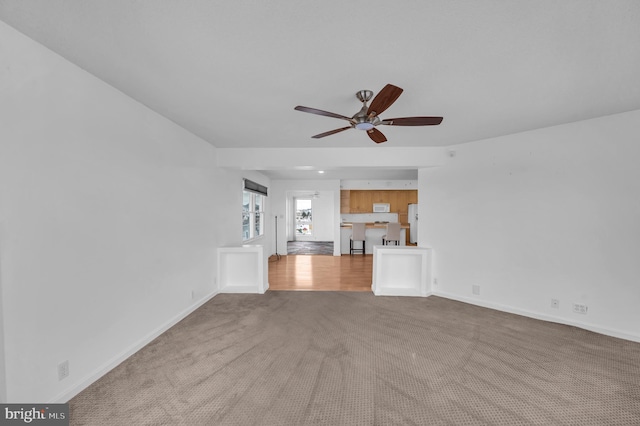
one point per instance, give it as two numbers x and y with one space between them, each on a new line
361 201
345 201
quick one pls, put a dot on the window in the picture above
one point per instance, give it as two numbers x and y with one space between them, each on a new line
304 216
252 215
253 200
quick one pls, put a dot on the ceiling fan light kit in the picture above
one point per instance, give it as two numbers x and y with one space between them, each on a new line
364 125
368 116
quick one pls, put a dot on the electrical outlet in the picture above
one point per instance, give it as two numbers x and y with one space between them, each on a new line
475 289
580 308
435 281
193 294
63 370
555 303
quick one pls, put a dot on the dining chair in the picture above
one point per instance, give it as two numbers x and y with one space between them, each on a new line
357 234
393 233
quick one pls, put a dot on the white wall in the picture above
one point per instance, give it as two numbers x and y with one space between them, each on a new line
110 218
541 215
320 158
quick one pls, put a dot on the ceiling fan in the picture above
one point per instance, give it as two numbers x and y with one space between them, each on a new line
369 116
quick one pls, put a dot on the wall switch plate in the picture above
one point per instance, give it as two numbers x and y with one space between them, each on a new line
63 370
555 303
475 289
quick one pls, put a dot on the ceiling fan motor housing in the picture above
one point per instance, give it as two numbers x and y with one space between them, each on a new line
363 121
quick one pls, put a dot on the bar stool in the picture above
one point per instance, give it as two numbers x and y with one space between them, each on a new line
357 234
393 234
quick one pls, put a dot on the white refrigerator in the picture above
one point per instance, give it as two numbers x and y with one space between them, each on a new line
413 223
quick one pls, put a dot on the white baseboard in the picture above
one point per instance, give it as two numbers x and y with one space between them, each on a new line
244 289
115 361
544 317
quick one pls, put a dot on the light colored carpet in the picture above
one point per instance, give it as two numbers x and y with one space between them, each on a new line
332 358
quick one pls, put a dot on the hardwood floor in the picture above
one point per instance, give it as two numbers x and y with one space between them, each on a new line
321 273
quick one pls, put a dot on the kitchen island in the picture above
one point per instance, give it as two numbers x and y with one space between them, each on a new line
373 235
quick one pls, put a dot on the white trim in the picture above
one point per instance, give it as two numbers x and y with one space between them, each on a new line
246 289
118 359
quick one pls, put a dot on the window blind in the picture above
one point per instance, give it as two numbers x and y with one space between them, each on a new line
252 186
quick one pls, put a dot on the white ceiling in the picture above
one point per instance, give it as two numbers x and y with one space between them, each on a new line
231 72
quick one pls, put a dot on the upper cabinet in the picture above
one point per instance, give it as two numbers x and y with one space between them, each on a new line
345 201
361 201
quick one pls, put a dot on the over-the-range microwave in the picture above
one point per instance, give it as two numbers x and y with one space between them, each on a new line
381 207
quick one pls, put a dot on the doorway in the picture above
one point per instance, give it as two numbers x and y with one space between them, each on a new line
311 222
307 239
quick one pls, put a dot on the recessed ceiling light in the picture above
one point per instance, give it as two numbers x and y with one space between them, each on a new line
320 171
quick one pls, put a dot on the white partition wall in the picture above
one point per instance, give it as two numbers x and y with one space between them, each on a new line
401 271
241 269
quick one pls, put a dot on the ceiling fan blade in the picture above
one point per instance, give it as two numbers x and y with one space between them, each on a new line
412 121
376 135
321 112
384 99
330 132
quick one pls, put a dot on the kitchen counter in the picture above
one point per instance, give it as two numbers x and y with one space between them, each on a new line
374 225
373 235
